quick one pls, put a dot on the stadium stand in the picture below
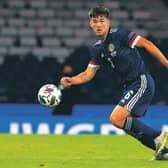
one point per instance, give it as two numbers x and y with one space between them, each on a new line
37 37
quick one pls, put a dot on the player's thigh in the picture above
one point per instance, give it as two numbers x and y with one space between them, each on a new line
138 96
119 115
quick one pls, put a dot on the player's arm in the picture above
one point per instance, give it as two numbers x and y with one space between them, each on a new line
83 77
152 49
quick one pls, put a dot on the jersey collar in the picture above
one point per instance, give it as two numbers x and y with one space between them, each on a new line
107 37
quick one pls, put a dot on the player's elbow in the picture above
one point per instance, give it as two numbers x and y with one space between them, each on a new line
89 75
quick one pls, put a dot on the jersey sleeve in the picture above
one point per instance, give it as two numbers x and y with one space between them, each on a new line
94 61
129 38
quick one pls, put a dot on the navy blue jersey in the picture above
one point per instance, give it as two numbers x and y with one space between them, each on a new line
120 52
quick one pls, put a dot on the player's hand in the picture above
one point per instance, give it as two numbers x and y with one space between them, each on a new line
66 81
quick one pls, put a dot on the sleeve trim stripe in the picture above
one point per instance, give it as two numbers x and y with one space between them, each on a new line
93 65
134 41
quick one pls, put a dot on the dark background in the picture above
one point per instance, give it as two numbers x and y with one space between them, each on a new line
41 41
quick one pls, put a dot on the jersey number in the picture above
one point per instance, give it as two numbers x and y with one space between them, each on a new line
130 93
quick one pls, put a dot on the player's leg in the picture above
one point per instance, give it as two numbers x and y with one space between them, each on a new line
161 151
134 104
121 118
138 106
119 115
151 138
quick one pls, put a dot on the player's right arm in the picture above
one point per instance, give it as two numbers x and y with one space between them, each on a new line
153 50
81 78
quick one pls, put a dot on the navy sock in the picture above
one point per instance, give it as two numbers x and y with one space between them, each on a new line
165 150
142 132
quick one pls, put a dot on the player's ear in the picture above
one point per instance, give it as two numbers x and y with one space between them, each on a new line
90 23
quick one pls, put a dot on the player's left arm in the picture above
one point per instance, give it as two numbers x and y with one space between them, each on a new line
153 50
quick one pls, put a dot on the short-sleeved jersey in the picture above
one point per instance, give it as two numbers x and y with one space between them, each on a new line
120 52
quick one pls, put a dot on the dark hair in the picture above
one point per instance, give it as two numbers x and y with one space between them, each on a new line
99 10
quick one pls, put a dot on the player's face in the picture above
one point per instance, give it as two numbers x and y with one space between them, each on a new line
100 25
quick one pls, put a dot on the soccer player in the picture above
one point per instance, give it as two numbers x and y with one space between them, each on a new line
118 48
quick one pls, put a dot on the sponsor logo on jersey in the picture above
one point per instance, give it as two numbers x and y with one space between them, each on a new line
113 54
113 30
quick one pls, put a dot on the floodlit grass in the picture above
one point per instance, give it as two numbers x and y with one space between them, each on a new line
79 151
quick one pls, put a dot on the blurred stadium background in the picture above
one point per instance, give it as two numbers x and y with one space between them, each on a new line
42 40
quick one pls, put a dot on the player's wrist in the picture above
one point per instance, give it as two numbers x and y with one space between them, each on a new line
73 81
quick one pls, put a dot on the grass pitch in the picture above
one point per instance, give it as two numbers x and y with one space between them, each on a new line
79 151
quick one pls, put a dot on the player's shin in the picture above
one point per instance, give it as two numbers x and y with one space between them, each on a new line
140 131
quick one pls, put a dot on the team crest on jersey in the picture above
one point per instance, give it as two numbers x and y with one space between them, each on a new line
111 47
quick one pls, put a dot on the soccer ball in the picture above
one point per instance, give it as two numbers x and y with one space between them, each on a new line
49 95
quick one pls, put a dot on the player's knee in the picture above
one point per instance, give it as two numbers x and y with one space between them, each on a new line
115 121
118 116
112 119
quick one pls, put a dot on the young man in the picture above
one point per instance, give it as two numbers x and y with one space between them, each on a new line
118 48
